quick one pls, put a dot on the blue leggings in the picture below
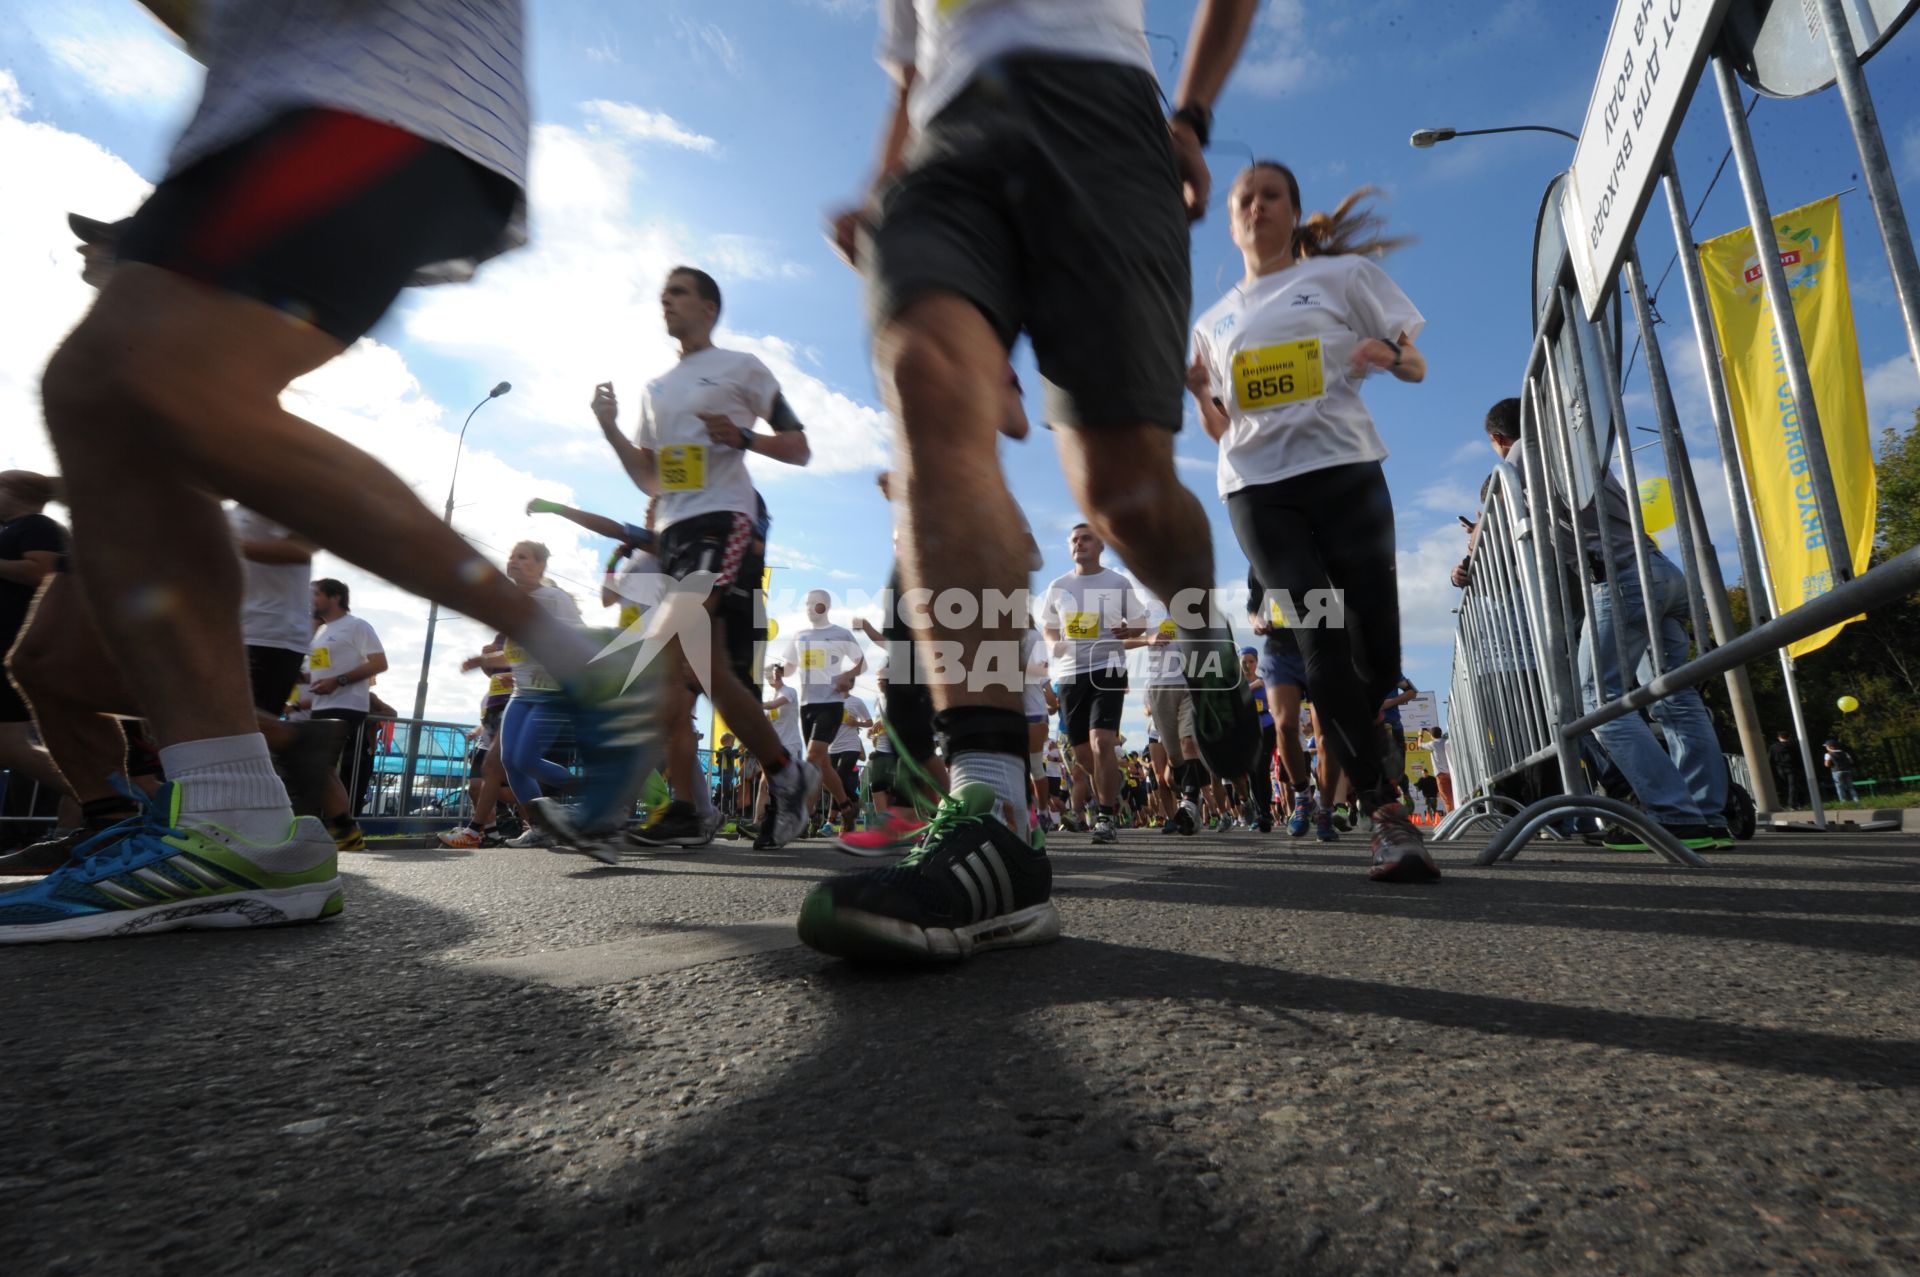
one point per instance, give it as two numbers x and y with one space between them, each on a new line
529 726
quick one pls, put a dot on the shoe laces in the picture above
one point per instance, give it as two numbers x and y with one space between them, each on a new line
949 818
130 843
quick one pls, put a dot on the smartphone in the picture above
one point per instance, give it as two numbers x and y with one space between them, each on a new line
1465 522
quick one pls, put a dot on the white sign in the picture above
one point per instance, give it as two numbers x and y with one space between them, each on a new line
1422 713
1652 63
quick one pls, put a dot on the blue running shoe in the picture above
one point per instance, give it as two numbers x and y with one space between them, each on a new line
1301 818
166 872
1323 828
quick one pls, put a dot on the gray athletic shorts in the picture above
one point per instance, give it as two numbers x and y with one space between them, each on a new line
1046 194
1172 706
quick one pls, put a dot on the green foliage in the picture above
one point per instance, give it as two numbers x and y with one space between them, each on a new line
1877 660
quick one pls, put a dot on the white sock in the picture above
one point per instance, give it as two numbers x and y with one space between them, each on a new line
229 781
1005 774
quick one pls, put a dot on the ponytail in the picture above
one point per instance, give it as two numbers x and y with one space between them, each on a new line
1349 229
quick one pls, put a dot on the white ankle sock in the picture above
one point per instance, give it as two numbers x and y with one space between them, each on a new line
1005 774
229 781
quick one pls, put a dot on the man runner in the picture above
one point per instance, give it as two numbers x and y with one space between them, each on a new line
690 455
1043 191
304 194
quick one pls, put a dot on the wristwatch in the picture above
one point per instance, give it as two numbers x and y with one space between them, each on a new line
1199 119
1398 349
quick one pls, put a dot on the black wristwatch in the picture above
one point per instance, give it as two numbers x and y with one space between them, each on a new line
1199 119
1398 349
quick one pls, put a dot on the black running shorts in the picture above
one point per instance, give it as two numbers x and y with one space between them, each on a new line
822 722
726 545
321 214
272 671
881 772
1093 702
1046 194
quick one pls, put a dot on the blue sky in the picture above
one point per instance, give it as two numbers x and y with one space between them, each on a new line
720 133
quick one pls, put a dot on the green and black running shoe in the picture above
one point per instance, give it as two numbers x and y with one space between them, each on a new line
971 885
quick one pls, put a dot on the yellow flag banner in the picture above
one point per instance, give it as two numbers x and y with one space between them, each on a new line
1656 504
1764 413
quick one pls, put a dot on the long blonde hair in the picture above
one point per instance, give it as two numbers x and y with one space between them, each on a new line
1349 229
538 549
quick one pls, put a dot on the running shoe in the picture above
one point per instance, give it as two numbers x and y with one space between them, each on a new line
1722 837
39 859
1692 837
347 835
1323 827
1399 852
1226 725
465 838
679 826
796 787
492 837
894 836
1187 817
1172 826
1301 818
1343 817
1104 830
166 872
971 885
531 837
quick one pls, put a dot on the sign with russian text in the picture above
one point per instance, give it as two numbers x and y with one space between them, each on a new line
1653 60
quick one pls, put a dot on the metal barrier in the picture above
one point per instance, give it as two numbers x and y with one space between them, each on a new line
1529 684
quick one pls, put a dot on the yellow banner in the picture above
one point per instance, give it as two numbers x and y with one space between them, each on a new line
1764 413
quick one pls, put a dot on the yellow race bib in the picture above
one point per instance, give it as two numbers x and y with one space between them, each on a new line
321 659
1083 625
683 467
1168 629
1271 376
1273 611
515 654
813 658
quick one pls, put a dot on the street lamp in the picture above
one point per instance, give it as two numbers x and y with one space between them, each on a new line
1424 138
433 614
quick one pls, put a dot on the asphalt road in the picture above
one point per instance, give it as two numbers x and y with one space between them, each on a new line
1244 1058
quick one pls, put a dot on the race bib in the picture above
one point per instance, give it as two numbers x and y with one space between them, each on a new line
1083 625
320 659
683 467
515 654
1168 629
846 715
773 716
500 685
1271 376
1273 611
813 658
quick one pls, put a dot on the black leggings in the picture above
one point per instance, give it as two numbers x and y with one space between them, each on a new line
1261 777
1333 529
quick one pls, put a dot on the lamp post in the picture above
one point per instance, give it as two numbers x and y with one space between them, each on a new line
1425 138
433 615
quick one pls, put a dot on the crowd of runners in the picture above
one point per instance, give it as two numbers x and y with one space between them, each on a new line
1030 181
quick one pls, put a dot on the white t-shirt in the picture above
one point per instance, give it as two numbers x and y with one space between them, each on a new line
1277 351
882 743
847 739
785 717
530 678
448 71
1084 609
816 658
276 609
697 475
1442 757
1033 661
947 41
337 648
1052 760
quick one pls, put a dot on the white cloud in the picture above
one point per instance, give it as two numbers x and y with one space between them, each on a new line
1427 596
1448 497
1907 155
606 51
710 44
578 307
12 100
748 257
638 124
1281 60
1893 392
121 56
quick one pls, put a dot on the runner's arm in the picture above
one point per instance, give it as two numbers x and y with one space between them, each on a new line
788 442
599 524
286 551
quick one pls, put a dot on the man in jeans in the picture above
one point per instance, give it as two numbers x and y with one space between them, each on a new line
344 655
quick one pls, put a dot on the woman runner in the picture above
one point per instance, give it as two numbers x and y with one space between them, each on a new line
1277 369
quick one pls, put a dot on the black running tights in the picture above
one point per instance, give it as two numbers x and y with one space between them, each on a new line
1332 529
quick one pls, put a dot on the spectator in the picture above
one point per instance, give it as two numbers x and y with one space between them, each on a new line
1442 754
1429 792
1784 757
1839 763
345 654
31 545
